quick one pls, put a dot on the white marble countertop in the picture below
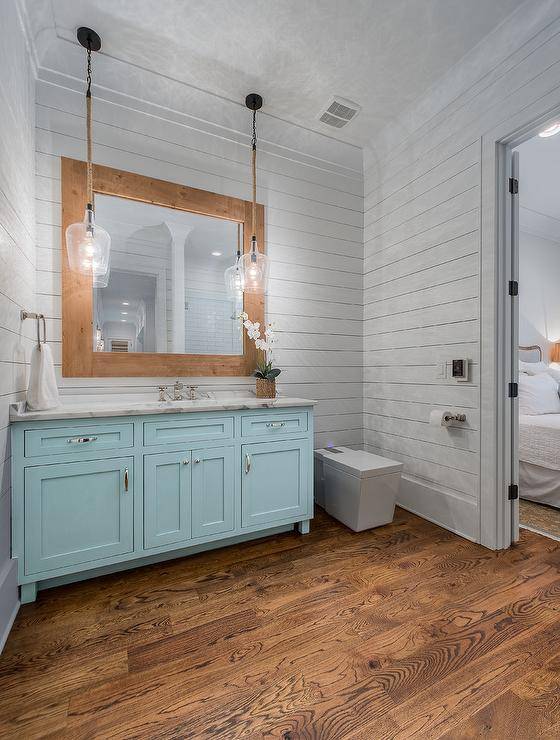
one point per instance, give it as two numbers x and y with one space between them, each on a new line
120 407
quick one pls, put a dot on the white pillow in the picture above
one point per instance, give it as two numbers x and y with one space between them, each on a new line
554 372
538 394
533 368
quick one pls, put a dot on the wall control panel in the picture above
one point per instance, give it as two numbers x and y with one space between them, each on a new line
457 369
460 369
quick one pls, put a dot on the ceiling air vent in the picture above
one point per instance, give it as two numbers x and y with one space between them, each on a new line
339 112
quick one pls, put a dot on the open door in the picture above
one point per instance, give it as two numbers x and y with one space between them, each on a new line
513 487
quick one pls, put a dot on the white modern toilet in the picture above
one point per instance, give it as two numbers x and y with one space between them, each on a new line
356 487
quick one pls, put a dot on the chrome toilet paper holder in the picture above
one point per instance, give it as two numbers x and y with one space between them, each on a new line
447 417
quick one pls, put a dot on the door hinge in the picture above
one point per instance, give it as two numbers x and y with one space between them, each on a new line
513 287
513 492
513 185
513 390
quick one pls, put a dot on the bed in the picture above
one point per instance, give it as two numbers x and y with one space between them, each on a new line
539 454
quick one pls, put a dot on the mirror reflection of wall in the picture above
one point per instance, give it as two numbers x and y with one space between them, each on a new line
166 289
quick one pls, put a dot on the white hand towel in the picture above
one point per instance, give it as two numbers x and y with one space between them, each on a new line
42 392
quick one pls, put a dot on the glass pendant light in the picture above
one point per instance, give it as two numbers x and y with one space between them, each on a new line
233 276
254 264
87 244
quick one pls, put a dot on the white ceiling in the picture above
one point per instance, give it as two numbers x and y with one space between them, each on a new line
383 54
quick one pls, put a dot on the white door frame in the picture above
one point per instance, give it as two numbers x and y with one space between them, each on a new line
495 319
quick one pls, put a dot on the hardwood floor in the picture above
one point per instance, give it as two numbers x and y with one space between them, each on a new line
402 632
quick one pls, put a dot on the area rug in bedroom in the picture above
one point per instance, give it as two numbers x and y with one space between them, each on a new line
539 516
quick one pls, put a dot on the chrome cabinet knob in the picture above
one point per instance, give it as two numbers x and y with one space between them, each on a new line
197 460
186 462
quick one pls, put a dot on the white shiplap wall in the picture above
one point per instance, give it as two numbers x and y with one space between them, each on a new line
17 264
313 216
422 274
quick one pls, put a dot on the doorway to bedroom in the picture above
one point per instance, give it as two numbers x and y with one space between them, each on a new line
537 188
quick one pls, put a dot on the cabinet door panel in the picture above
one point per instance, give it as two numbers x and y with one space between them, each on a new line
167 498
77 512
213 491
275 481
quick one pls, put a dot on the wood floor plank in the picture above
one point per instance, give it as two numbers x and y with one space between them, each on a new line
407 631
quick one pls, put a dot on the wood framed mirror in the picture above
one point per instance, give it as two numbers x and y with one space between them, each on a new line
163 283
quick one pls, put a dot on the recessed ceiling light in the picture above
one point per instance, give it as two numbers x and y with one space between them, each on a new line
216 254
126 303
550 130
124 313
123 320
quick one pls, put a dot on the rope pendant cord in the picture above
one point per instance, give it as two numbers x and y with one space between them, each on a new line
89 131
254 167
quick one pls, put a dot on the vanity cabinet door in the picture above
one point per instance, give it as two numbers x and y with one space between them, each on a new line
167 498
275 481
213 491
77 512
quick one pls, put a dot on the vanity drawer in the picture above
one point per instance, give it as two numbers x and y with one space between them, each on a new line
75 439
274 425
184 431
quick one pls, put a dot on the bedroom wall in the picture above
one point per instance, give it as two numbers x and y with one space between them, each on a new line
539 298
313 233
17 265
422 277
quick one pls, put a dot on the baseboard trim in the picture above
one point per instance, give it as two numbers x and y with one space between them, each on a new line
445 509
8 583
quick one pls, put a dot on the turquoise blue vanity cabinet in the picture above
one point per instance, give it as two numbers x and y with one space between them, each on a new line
92 495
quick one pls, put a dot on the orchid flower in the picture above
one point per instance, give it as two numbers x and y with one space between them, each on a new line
264 344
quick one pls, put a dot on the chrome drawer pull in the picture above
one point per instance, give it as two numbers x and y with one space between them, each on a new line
276 424
126 479
247 463
80 440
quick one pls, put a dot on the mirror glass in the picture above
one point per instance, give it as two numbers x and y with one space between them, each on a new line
166 290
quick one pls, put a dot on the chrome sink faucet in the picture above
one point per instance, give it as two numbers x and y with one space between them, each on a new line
177 388
192 392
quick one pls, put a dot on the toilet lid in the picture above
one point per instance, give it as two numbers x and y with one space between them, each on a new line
358 462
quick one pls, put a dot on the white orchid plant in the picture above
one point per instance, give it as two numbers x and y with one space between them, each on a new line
265 369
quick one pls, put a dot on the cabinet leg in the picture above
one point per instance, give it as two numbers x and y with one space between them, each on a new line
303 526
28 592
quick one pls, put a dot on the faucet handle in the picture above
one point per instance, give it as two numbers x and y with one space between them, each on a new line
162 390
179 385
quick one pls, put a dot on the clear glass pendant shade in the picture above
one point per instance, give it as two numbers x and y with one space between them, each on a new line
255 267
88 248
233 277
